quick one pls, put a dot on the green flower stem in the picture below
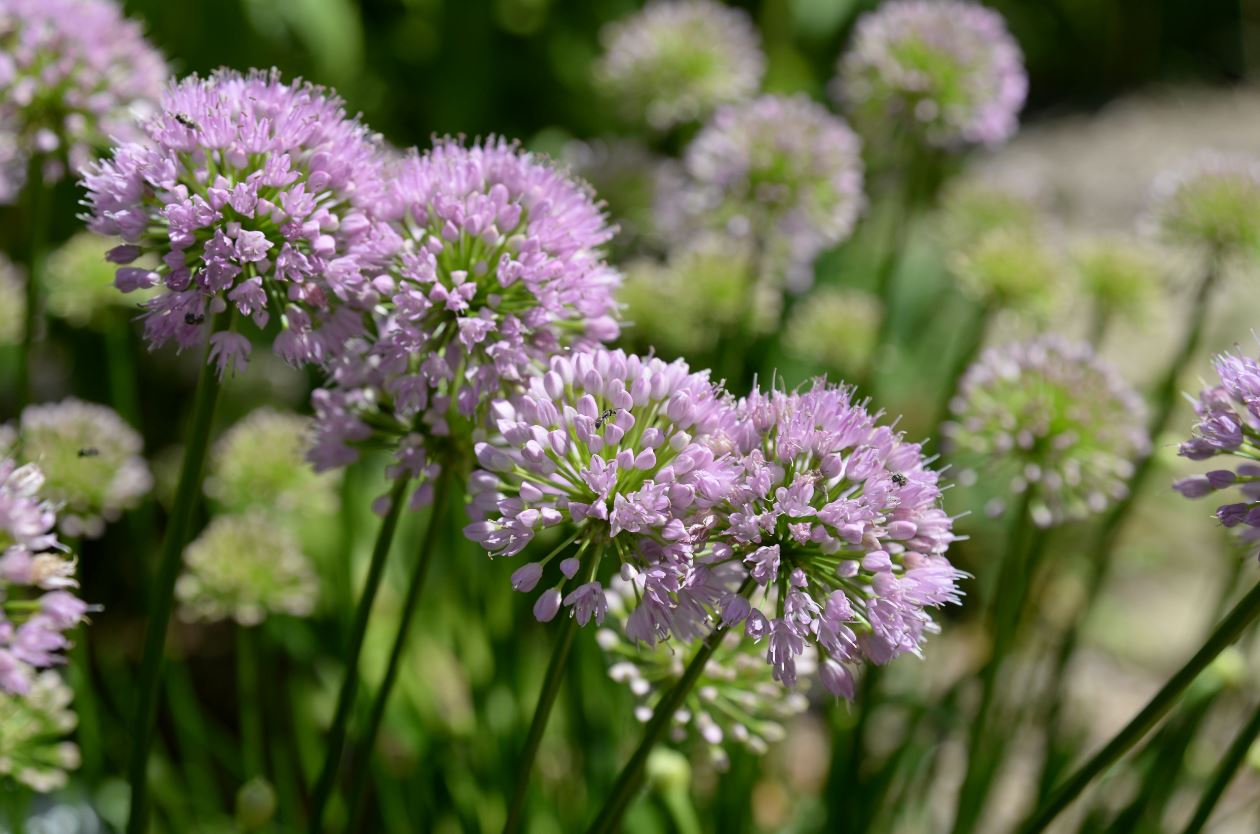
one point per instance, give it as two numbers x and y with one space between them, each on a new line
38 206
249 703
631 777
1224 773
1098 562
973 339
358 781
120 362
1099 323
350 683
1228 631
1006 604
162 591
542 712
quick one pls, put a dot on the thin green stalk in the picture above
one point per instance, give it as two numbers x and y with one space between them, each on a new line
631 777
1228 631
358 781
38 206
885 289
350 683
162 591
1099 323
249 703
120 361
542 713
1224 773
973 338
1006 604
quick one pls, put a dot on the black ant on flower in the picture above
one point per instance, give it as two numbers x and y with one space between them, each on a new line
193 318
185 121
89 452
899 479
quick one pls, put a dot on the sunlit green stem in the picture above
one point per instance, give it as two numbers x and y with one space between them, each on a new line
162 590
358 782
1228 631
350 683
542 712
38 198
1224 773
631 777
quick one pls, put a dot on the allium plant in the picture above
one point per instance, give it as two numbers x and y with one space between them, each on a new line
75 75
37 578
78 284
260 463
92 461
12 303
837 523
783 172
33 729
500 266
1211 204
946 71
246 567
1121 277
253 194
1051 416
833 328
617 446
1008 268
735 700
675 61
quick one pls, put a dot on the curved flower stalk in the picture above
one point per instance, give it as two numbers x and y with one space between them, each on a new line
734 701
781 172
245 567
92 460
1050 416
946 71
675 61
37 581
76 76
253 194
1229 427
33 729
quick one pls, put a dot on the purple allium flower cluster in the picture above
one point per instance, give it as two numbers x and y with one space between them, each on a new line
837 522
947 70
619 446
676 60
1229 426
781 167
500 266
1211 203
37 605
74 76
735 699
254 194
1051 416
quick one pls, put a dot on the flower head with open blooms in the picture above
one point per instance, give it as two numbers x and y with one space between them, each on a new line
74 76
12 303
946 70
835 523
92 461
1211 204
1229 426
37 605
33 729
1054 418
617 446
674 61
735 699
501 265
260 463
780 166
245 567
253 194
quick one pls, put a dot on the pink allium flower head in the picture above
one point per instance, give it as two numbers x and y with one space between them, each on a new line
1049 415
674 61
36 604
619 446
254 193
947 70
1229 426
74 76
784 167
500 266
837 523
